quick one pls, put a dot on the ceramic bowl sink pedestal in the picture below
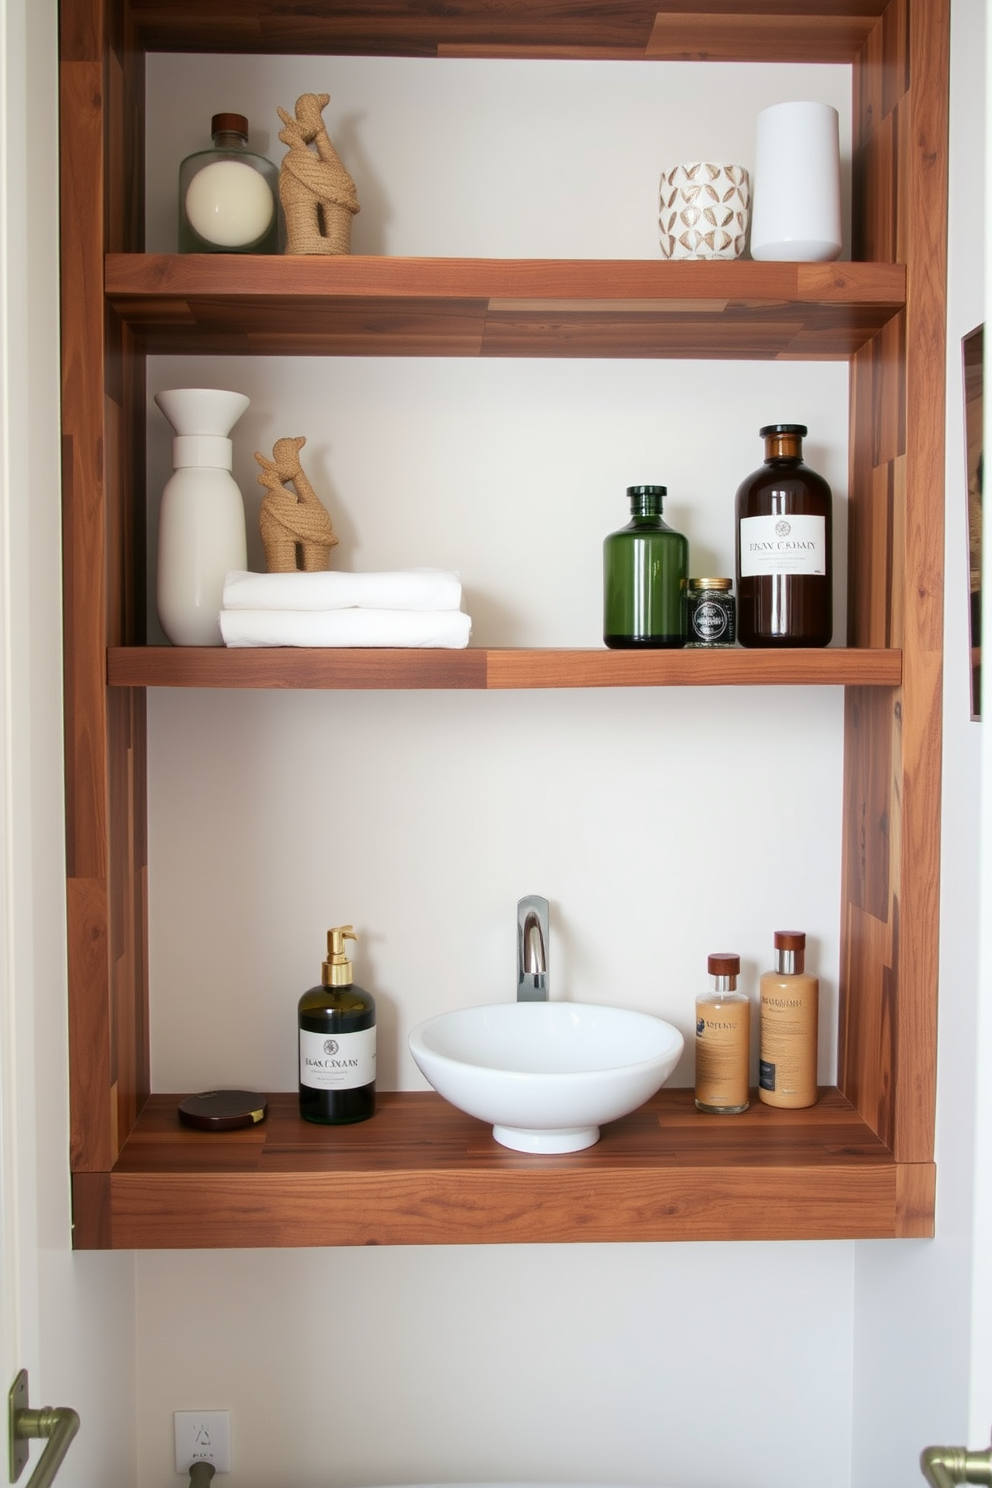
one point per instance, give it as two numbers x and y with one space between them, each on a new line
546 1075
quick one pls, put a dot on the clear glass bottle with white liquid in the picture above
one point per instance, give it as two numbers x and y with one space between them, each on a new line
228 194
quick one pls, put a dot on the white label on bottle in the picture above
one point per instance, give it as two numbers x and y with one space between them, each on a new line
783 545
343 1061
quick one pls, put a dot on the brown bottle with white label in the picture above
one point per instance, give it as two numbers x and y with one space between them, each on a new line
784 548
789 1018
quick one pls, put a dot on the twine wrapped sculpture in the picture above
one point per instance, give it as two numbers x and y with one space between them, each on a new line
318 196
294 524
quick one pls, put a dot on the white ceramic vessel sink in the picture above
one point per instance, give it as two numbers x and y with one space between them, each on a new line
546 1074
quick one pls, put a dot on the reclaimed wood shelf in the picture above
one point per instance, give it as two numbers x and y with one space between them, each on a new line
352 305
493 668
421 1172
747 31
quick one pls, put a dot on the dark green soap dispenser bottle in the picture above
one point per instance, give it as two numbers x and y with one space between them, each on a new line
644 573
337 1042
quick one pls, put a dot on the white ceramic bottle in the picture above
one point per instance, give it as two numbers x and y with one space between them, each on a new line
201 525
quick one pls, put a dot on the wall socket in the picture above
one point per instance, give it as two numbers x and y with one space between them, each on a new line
203 1436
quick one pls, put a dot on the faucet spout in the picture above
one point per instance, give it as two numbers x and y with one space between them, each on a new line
532 949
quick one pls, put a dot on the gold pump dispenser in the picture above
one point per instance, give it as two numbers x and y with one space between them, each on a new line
337 969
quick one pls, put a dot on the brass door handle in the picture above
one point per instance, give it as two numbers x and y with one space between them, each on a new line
56 1426
945 1466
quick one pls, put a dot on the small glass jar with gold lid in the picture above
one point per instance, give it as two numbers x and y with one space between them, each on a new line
711 613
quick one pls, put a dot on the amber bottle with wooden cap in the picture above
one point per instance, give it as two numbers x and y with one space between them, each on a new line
784 548
337 1042
789 1009
723 1039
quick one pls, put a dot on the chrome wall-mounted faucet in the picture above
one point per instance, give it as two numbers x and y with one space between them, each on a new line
532 949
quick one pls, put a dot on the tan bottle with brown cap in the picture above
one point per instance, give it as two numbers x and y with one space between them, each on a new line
789 1010
723 1039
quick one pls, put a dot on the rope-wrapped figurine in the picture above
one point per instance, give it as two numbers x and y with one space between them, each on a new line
297 531
318 196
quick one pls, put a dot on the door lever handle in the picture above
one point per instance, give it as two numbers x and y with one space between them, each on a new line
943 1467
55 1426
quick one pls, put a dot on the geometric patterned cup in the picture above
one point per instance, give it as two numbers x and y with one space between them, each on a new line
704 210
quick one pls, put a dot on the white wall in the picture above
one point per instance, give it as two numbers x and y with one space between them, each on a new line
676 1365
68 1319
477 157
661 825
923 1335
617 806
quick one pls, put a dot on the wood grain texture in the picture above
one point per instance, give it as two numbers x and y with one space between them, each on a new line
892 768
360 305
291 667
421 1172
524 28
82 324
548 280
103 405
90 1059
718 37
91 1050
923 34
871 730
91 1218
916 1197
866 1035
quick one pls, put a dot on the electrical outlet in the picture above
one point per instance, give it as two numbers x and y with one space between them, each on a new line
203 1436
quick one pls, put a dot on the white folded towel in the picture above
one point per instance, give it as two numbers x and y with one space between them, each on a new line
406 589
354 627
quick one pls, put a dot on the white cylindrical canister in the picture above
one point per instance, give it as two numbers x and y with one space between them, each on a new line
795 210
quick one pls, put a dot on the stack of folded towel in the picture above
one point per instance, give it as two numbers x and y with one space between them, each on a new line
411 607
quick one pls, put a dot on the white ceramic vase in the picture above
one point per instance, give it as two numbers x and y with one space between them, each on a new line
796 210
702 210
201 525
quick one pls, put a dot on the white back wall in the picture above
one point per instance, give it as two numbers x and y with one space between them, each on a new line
661 825
480 158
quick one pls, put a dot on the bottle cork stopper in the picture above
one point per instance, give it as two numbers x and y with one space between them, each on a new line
790 940
723 963
229 124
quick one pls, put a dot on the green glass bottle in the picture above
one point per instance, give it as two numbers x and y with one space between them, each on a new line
644 571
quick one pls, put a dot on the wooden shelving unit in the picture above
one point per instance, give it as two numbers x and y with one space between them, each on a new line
423 1173
860 1163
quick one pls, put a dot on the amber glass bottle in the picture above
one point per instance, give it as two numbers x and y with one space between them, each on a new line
784 548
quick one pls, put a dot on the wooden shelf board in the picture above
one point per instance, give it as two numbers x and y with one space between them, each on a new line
332 668
231 304
718 30
421 1172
